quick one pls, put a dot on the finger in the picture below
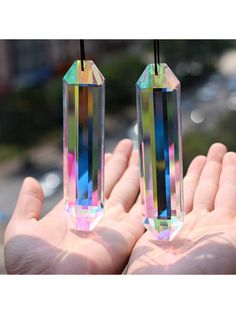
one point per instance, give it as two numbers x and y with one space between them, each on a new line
191 181
226 195
133 224
107 157
126 190
134 158
137 210
208 183
30 200
117 164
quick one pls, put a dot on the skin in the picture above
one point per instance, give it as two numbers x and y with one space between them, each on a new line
205 244
51 245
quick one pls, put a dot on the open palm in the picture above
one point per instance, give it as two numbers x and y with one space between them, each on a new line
51 245
207 242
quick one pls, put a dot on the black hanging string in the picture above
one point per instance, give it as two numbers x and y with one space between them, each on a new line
82 54
156 54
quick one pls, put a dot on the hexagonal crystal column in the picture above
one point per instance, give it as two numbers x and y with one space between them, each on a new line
83 101
160 149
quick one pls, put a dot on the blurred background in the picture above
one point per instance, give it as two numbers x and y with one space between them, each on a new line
31 73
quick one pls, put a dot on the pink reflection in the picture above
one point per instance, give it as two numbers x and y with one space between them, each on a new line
95 198
71 162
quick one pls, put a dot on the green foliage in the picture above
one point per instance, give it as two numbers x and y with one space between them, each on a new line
204 52
121 74
9 151
195 144
188 50
29 113
198 143
226 129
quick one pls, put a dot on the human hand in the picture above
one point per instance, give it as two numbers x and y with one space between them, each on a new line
49 245
206 243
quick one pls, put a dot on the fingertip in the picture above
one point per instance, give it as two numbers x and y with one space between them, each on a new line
126 141
32 187
216 151
200 158
108 157
197 164
229 158
31 183
126 144
30 199
218 145
123 152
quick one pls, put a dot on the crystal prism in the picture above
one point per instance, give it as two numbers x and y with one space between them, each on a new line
83 132
160 151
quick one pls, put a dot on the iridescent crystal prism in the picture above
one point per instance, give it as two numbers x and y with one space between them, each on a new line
83 102
160 150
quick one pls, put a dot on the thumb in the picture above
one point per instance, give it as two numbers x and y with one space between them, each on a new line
30 200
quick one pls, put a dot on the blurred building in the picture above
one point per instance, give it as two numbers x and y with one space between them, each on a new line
30 62
5 70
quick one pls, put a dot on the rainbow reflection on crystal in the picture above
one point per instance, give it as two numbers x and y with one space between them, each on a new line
83 132
160 151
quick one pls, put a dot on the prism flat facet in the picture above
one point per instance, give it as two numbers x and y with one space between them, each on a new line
160 150
83 105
